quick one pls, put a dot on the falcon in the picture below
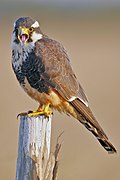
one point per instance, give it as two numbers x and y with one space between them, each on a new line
44 71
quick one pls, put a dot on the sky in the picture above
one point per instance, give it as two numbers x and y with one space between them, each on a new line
71 2
84 2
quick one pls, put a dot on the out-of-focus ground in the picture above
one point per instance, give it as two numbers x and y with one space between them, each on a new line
92 39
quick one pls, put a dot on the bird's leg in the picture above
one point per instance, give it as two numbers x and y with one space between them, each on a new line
41 111
47 111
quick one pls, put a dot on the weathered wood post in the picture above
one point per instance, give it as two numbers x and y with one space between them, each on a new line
34 161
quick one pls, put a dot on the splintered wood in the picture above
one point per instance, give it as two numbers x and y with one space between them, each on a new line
35 162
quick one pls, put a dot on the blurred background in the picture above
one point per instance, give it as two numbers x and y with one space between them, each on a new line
90 31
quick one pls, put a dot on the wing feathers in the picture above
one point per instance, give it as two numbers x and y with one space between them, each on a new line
61 75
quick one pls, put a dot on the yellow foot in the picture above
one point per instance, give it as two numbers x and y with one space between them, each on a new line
35 113
41 111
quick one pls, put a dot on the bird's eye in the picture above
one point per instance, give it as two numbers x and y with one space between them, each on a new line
31 29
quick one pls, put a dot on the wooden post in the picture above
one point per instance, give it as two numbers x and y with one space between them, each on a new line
35 162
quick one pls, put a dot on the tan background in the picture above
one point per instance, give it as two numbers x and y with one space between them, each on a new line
92 38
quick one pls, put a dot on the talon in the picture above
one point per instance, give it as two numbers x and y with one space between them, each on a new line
30 112
22 114
41 111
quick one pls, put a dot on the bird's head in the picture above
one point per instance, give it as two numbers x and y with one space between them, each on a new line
26 30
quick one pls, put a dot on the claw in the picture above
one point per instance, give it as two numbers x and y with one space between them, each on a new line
41 111
22 114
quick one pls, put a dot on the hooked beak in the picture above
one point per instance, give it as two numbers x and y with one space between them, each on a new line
23 35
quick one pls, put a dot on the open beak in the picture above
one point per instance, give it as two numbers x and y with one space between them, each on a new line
23 35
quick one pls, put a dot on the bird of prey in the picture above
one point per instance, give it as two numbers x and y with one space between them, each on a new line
44 71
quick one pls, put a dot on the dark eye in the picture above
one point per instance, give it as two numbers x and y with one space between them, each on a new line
31 29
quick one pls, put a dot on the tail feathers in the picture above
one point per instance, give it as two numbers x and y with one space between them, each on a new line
103 140
86 117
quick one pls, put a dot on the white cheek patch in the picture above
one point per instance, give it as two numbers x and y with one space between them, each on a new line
35 25
36 36
14 23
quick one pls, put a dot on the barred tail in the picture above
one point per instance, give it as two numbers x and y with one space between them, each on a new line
86 117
